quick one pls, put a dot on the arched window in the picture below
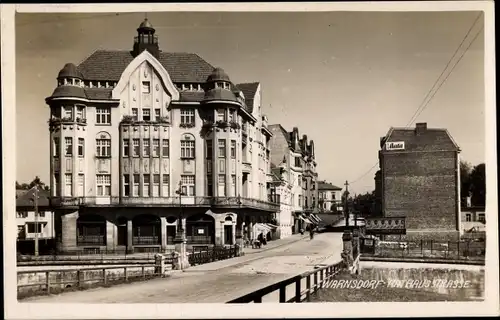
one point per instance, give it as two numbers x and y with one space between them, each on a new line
103 144
187 146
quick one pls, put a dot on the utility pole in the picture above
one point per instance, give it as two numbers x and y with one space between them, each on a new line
346 204
35 195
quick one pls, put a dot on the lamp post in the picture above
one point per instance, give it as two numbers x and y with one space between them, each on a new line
180 240
35 199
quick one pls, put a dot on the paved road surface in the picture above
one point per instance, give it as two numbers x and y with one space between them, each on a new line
226 281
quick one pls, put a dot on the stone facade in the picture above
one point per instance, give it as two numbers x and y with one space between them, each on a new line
146 144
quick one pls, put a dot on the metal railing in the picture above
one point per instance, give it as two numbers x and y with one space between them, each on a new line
76 278
187 201
211 255
91 240
314 280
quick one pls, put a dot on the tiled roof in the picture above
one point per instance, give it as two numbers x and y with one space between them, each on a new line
219 94
249 90
26 198
285 133
108 65
323 185
276 173
191 96
98 93
69 91
426 140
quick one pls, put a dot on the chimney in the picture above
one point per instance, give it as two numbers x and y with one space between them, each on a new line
420 127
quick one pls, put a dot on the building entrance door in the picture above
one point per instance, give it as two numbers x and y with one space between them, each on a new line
228 235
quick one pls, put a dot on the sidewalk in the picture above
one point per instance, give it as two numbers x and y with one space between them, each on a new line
250 255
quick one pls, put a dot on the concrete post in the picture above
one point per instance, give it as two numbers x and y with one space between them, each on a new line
111 235
69 231
346 255
130 236
163 233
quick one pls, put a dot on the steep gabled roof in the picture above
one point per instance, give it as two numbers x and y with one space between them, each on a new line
249 90
285 133
428 139
108 65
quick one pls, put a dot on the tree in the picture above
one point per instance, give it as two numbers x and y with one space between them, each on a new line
478 185
35 182
465 186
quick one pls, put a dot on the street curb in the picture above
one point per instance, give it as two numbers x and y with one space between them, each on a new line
417 260
278 246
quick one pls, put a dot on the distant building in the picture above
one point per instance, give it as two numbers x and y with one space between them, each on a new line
473 219
330 197
281 183
298 155
147 145
25 215
420 180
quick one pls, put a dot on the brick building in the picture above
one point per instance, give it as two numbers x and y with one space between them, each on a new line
149 147
420 180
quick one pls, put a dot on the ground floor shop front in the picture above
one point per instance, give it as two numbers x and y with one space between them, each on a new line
155 230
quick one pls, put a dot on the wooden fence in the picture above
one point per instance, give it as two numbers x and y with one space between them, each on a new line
314 280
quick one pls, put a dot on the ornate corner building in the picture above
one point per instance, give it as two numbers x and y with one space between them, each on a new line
146 144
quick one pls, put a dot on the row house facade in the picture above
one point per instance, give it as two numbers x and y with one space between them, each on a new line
149 147
297 155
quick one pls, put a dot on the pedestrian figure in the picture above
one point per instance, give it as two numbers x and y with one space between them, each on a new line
311 232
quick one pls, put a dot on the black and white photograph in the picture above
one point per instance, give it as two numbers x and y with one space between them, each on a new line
232 155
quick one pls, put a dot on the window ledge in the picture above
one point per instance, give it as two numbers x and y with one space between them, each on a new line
187 158
103 157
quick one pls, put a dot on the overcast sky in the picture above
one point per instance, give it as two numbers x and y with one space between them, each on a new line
343 78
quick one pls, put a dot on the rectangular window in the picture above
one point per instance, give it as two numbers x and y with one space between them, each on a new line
221 115
233 149
81 185
68 113
80 113
165 148
146 149
56 147
468 217
126 148
187 185
222 148
103 148
187 116
231 115
135 114
221 184
145 187
81 147
57 184
157 114
103 115
210 187
209 145
165 188
156 147
103 185
126 185
68 141
233 185
136 182
32 229
146 87
187 149
156 185
480 217
146 114
136 150
68 185
22 214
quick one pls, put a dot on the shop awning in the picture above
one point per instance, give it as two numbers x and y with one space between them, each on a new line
305 219
272 226
314 218
263 227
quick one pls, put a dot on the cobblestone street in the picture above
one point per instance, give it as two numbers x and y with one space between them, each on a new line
220 281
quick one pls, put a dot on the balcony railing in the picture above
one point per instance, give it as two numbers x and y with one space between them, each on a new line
145 240
186 201
91 241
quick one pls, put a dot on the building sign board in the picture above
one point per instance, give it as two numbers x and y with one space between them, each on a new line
386 225
395 145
